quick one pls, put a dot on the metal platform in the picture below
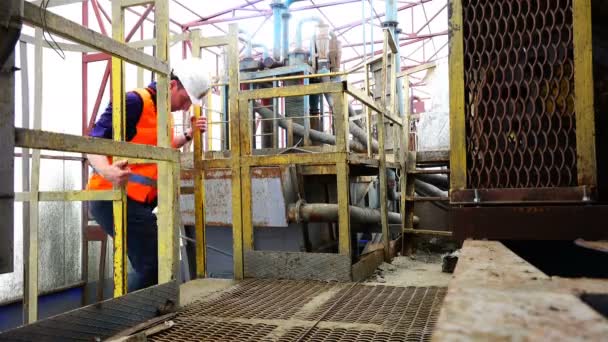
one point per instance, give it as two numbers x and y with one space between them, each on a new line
286 310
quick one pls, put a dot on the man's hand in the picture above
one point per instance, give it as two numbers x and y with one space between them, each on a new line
200 123
117 173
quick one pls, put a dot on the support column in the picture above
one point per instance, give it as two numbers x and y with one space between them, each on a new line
199 180
119 207
235 152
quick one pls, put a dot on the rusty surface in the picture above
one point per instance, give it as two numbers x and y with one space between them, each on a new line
519 84
218 174
195 330
266 172
281 310
564 222
575 194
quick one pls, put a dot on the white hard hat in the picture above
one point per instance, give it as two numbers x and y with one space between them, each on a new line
191 73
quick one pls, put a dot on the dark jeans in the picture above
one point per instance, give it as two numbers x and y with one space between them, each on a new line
142 239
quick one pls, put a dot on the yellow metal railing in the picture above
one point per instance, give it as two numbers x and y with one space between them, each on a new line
166 157
241 158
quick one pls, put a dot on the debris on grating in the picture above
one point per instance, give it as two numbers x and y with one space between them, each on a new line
423 270
386 267
449 262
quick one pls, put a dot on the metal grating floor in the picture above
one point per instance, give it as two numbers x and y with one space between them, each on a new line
285 310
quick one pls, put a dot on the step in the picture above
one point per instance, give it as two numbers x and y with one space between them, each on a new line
427 232
429 172
428 199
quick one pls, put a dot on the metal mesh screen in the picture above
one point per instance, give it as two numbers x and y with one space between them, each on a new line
519 93
281 310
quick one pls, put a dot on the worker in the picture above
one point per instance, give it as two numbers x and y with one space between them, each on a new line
188 85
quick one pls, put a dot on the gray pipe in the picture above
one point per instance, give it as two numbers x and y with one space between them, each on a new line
315 135
425 189
428 189
357 132
438 180
328 212
391 185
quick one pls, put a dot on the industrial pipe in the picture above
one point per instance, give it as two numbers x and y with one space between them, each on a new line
357 132
248 47
264 49
277 10
391 11
301 23
440 181
286 16
328 212
315 135
391 185
426 189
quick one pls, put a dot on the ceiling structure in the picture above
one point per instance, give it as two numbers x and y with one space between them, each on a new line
423 24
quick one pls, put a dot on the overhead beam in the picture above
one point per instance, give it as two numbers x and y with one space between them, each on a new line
265 13
68 29
55 3
132 3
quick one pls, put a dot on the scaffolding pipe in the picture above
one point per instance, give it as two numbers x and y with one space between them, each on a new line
328 212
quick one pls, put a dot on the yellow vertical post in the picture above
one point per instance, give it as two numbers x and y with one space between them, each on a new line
458 158
235 151
30 236
245 119
406 184
168 172
346 115
199 179
583 88
210 120
393 83
382 152
199 201
342 174
368 113
118 131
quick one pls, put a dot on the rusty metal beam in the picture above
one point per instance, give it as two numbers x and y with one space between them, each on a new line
567 222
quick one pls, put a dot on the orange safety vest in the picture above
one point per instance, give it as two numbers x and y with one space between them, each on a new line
141 185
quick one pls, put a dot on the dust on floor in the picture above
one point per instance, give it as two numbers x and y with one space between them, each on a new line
416 270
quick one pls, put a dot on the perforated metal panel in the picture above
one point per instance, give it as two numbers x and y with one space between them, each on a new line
283 310
519 94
